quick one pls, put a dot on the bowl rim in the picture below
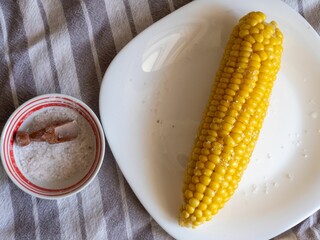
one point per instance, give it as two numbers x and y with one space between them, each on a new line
99 136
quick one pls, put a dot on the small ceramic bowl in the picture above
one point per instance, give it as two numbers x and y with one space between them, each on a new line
42 169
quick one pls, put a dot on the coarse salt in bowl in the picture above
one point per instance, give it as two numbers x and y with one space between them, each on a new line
53 171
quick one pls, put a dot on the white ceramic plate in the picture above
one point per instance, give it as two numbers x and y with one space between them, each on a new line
151 102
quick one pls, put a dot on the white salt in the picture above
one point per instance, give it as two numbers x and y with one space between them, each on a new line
50 163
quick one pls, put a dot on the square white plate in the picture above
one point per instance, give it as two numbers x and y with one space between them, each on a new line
152 99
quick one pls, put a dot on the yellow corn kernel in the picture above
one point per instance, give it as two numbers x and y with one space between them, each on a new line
205 180
269 27
214 185
246 49
198 196
239 127
189 209
193 202
227 97
221 85
233 118
213 207
216 177
203 158
202 206
214 159
200 164
254 64
207 213
228 75
263 55
258 37
188 194
220 170
244 33
244 54
246 44
266 41
191 187
234 53
222 108
197 172
245 27
199 187
254 30
235 47
195 179
243 60
260 26
252 21
205 151
208 171
255 57
185 214
230 120
250 39
258 47
209 192
227 127
206 200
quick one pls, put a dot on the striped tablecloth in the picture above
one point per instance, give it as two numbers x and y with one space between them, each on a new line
66 46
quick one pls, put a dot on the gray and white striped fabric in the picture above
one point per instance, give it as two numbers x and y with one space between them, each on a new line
59 46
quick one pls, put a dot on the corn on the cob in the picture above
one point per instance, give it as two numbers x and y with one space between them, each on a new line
232 119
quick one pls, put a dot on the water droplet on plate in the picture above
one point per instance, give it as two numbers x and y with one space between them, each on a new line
254 188
182 159
312 102
266 188
298 143
314 115
290 176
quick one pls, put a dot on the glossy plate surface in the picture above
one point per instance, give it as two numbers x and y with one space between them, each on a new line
152 99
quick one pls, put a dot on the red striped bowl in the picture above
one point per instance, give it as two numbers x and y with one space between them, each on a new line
31 107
